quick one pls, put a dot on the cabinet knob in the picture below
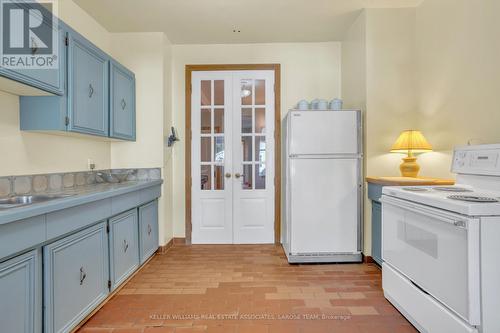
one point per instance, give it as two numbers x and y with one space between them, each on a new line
125 245
228 175
124 104
91 90
237 175
34 49
83 275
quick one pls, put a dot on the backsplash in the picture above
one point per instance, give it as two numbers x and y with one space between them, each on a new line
29 184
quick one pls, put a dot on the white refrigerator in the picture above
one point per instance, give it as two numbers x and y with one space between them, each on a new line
323 191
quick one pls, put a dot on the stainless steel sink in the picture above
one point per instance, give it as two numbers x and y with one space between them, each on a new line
23 200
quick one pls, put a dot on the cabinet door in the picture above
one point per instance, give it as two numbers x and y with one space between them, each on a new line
75 277
123 246
49 80
122 103
377 232
88 107
20 290
148 230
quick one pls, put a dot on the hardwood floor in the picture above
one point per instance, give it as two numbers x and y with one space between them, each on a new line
247 288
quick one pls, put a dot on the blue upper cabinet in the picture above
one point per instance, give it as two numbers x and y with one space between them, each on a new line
44 81
122 102
88 79
98 94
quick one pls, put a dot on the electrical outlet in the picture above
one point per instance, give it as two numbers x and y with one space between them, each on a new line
90 164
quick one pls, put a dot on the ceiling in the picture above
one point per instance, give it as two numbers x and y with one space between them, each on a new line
235 21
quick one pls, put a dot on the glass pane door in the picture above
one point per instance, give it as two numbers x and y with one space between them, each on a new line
211 189
253 133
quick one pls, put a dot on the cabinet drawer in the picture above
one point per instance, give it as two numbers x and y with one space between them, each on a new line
18 236
20 290
76 277
124 246
375 191
148 230
421 309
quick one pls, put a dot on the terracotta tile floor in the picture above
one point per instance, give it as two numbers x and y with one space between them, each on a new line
247 288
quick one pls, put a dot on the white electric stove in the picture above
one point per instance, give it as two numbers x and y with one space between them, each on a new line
440 246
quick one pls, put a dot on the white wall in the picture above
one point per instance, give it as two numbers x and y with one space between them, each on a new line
309 70
459 76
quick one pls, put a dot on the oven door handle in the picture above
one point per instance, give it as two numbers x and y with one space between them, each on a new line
429 212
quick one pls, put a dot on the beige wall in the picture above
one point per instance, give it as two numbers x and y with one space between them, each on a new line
384 85
459 76
354 64
144 54
26 153
168 151
309 70
435 68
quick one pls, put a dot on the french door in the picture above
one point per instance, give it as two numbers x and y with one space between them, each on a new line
232 124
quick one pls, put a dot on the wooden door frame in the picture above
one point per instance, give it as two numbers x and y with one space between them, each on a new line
277 137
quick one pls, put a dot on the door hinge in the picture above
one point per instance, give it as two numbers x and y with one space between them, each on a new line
66 41
109 284
66 120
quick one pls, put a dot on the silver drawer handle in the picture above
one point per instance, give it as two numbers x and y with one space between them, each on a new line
83 275
125 245
124 105
91 90
149 229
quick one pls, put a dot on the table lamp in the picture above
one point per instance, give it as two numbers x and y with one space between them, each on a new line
410 142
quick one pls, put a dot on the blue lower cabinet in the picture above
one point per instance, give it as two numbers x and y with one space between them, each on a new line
21 294
148 230
124 247
76 274
377 232
374 194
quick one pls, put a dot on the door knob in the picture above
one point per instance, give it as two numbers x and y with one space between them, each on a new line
228 175
237 175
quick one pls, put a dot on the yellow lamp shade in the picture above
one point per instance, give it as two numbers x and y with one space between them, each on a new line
411 141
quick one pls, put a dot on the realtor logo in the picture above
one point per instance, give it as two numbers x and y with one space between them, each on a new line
29 34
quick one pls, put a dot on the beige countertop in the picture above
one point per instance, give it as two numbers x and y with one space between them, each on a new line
404 181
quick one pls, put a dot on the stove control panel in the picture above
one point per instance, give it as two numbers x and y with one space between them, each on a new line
477 160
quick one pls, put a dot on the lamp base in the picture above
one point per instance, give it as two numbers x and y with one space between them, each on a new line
409 167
